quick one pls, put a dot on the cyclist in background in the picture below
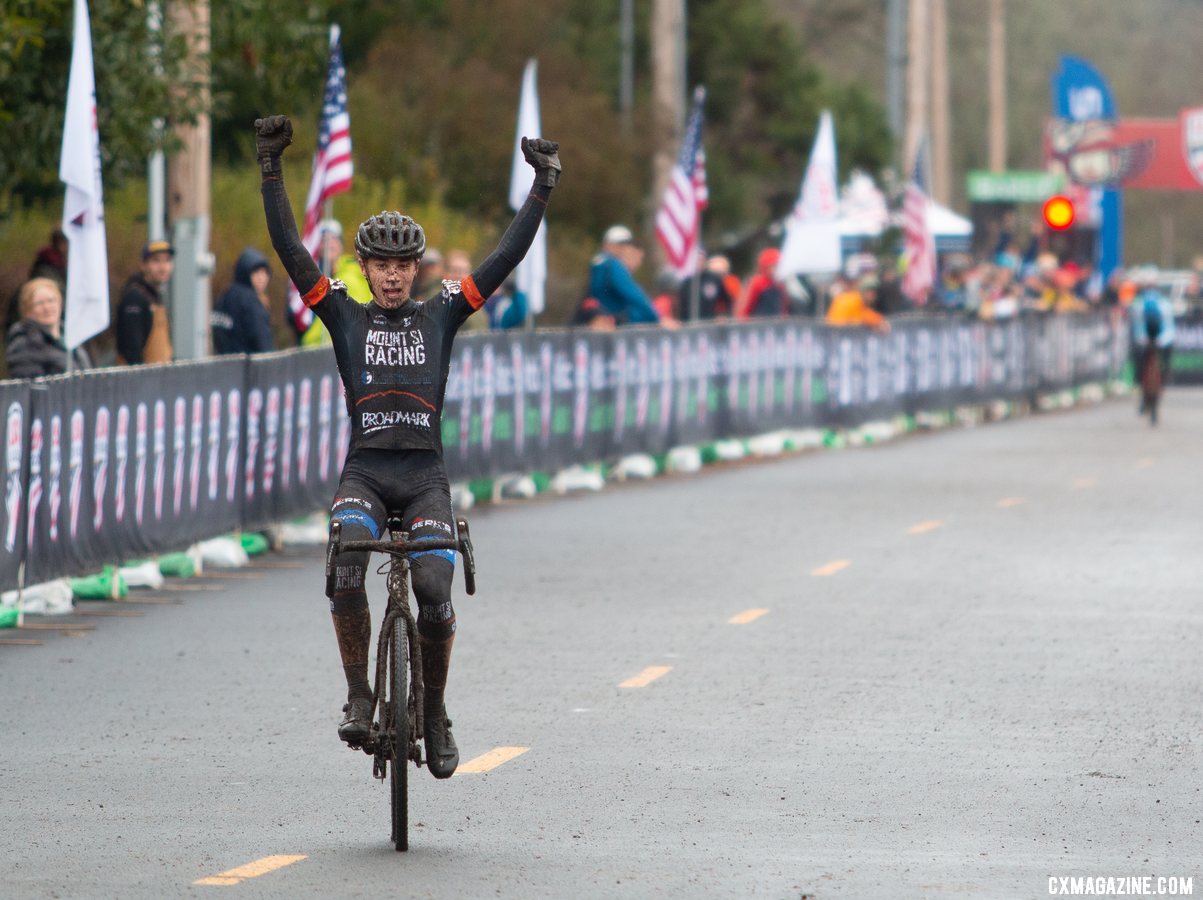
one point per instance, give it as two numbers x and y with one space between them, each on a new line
393 356
1151 317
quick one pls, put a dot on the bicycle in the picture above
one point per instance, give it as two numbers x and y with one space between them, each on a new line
1151 383
396 736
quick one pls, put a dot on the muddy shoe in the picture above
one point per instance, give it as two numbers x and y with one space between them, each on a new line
442 756
356 725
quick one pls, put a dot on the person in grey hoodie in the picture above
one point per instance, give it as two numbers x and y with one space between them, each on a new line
240 319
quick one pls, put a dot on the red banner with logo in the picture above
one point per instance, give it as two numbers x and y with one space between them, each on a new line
1134 154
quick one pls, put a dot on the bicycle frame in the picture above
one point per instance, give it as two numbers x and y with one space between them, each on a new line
400 548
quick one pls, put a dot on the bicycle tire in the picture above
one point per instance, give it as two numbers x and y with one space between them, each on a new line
1152 383
399 707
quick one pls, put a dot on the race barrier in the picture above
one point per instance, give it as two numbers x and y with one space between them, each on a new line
117 464
1186 365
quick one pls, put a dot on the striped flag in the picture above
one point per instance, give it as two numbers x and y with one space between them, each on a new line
679 221
332 166
919 247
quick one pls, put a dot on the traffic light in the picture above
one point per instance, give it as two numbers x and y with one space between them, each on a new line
1058 212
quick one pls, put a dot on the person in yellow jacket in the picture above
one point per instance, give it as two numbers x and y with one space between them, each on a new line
855 307
343 267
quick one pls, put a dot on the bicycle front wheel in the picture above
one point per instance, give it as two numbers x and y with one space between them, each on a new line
399 708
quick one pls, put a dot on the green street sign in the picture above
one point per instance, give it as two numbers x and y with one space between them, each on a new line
1017 186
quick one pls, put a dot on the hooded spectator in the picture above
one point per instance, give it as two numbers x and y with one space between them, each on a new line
240 319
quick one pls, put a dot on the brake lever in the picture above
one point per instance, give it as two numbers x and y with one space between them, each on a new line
465 549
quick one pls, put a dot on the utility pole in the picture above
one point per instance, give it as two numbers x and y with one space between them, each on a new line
668 96
156 166
917 69
896 71
998 87
940 117
626 63
188 193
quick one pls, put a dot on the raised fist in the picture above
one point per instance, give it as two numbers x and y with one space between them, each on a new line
544 158
272 135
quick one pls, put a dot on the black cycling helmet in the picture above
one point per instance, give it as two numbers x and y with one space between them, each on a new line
390 235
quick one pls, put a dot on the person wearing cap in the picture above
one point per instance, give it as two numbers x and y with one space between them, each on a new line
855 306
338 265
240 320
612 283
393 357
143 335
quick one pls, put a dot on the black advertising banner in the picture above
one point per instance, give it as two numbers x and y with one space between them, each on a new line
110 465
297 434
128 462
550 399
18 486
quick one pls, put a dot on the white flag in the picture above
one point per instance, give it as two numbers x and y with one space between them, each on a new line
812 233
531 274
87 300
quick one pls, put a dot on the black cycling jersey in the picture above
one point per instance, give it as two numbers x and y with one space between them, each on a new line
394 362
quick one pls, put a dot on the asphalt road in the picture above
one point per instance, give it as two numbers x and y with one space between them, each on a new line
977 667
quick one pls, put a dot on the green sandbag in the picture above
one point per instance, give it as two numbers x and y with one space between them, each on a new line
177 565
107 585
481 490
254 543
8 617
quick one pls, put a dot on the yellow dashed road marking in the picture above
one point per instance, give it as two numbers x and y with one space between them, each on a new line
646 677
836 565
250 870
748 615
490 760
1008 502
924 527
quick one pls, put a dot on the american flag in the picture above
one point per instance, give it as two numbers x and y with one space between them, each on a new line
679 221
331 166
919 247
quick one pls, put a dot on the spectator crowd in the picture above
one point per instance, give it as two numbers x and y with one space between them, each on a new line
868 292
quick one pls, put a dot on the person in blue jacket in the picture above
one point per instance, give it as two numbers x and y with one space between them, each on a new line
240 319
611 282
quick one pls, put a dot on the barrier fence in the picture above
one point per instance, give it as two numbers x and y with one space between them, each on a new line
116 464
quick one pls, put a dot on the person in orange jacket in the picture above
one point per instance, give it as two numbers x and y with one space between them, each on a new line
855 307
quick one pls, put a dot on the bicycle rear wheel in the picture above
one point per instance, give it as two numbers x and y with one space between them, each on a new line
399 706
1152 383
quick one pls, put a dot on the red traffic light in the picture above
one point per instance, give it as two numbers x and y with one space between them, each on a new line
1058 212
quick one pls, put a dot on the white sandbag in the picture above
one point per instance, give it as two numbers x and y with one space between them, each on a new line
313 529
223 553
515 487
769 444
51 598
637 465
462 499
577 478
143 575
730 450
686 460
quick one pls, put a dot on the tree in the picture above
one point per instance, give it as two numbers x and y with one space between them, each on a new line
763 103
36 49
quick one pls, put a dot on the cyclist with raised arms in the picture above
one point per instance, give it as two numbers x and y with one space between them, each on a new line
393 356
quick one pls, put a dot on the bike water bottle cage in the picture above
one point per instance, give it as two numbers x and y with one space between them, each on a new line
390 235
